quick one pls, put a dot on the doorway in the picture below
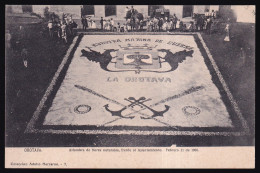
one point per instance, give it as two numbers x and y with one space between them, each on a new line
152 8
187 11
27 8
88 10
110 10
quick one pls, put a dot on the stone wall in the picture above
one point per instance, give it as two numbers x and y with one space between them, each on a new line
175 9
16 8
244 13
120 10
199 9
74 10
39 9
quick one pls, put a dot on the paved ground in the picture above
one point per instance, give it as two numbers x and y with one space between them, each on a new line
25 87
237 65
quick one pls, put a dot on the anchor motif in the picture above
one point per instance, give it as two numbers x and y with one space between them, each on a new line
139 102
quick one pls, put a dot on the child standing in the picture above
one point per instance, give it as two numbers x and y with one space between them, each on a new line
118 27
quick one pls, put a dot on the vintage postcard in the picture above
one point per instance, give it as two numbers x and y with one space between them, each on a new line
130 86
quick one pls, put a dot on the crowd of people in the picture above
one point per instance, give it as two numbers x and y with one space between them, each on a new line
200 22
61 29
87 22
204 22
52 28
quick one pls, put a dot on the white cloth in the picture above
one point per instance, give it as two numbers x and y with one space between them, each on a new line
227 38
8 36
25 63
108 27
93 26
63 27
50 25
171 24
125 28
165 26
112 23
190 26
178 24
89 23
128 27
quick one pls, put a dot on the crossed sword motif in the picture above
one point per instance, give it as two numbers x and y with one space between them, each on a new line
140 102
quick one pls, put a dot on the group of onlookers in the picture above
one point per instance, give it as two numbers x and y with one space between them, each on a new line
87 22
152 24
61 29
164 24
156 24
108 25
204 22
18 37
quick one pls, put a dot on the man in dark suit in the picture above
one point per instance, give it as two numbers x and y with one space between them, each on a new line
101 23
81 11
160 24
174 21
132 10
84 23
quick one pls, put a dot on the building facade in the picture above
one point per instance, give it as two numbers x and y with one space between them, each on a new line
118 12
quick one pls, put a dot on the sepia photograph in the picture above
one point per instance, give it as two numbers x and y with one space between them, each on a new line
129 76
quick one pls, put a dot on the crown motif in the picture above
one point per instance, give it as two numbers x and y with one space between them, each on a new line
143 47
